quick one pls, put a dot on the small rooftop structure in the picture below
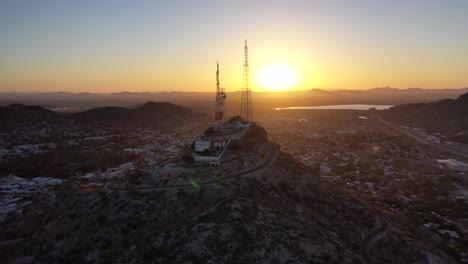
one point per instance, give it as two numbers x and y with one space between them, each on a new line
454 164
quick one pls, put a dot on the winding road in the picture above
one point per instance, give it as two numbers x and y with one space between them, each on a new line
370 239
421 140
271 158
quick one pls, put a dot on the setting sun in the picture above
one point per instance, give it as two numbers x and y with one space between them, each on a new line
278 77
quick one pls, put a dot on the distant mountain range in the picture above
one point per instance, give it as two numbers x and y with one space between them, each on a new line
378 96
150 113
382 95
447 116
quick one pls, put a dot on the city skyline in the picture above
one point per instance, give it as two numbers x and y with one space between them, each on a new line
173 46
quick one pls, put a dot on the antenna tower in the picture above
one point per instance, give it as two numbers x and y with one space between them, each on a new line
246 111
219 108
218 140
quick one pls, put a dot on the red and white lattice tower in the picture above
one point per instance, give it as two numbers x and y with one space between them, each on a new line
246 111
218 136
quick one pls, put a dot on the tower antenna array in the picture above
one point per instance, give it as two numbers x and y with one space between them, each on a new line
220 97
218 140
246 111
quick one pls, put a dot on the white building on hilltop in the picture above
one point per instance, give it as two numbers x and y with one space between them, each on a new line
202 144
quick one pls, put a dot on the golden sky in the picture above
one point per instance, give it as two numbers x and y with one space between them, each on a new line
110 46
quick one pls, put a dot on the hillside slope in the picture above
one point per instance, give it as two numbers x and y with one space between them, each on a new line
447 116
282 214
13 113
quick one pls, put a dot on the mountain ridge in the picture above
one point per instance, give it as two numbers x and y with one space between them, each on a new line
447 116
263 99
149 113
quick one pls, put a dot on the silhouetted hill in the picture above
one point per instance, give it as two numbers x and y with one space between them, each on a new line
447 116
18 112
104 114
149 113
165 108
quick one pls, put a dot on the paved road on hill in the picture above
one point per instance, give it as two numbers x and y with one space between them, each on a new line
271 158
421 140
369 240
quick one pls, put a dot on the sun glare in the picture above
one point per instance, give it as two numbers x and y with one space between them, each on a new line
278 77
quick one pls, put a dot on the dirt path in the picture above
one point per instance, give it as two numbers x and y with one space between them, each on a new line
369 241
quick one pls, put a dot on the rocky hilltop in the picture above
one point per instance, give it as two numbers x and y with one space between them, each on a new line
278 212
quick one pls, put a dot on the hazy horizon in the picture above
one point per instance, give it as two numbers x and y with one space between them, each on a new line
235 91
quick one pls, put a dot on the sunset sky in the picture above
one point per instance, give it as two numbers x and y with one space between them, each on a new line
106 46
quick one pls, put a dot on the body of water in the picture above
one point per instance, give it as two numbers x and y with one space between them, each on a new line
337 107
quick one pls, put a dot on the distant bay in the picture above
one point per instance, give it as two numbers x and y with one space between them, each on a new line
337 107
